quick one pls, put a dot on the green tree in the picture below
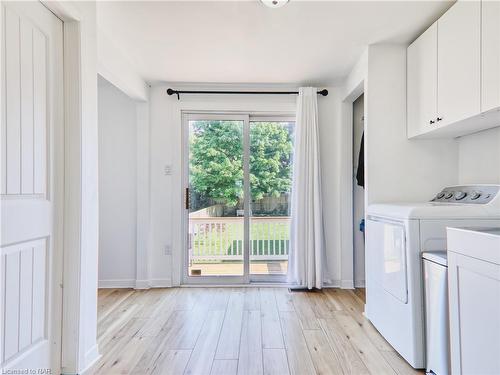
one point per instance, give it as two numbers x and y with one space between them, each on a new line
270 164
216 160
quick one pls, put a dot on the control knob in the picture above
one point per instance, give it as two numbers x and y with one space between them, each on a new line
475 195
459 195
440 195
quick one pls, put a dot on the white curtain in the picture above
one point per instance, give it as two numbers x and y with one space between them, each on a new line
306 257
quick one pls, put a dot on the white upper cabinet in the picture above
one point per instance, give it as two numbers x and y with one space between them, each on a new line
459 62
422 83
453 73
490 46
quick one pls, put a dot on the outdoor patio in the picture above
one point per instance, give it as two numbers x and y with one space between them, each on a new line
216 245
233 268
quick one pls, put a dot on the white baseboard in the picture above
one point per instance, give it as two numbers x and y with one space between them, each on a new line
342 284
142 284
331 283
167 283
359 284
136 284
160 283
91 357
347 284
120 283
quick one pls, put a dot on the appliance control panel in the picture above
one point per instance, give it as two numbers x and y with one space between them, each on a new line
467 194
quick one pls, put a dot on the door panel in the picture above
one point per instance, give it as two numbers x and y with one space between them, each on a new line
216 236
422 82
474 323
25 295
270 164
459 55
32 107
490 50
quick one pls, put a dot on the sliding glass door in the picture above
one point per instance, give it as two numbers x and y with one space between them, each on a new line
237 191
270 164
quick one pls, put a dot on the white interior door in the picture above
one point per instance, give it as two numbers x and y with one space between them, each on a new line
31 186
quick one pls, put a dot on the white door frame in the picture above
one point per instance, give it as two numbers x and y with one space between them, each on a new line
246 117
66 351
346 186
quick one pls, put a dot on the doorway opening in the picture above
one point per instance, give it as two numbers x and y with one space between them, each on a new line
358 193
238 178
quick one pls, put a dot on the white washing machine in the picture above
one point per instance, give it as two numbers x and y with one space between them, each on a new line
396 235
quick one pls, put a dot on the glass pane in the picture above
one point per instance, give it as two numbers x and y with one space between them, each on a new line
271 148
216 209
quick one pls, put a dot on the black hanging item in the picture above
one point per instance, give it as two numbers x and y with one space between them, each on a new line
360 175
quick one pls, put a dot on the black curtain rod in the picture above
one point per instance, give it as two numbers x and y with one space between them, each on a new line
170 91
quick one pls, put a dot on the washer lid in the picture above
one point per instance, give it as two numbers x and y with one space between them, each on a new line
433 210
438 256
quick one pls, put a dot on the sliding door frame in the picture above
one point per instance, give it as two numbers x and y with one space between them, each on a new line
261 278
215 279
246 118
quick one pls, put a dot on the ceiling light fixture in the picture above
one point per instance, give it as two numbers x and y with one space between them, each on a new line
274 3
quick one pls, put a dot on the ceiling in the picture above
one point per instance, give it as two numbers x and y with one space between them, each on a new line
305 42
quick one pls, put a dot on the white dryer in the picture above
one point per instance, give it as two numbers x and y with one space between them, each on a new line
396 235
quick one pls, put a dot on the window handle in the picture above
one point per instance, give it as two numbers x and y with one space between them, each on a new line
186 198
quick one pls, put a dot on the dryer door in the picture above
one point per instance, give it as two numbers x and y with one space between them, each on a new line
386 250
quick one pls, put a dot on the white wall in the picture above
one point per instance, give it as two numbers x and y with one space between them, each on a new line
143 269
117 187
398 169
166 191
479 158
358 109
115 67
330 123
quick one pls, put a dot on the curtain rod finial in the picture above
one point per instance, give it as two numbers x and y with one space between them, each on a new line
323 92
171 92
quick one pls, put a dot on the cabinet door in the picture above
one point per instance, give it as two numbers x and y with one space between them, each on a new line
490 39
459 55
422 83
474 301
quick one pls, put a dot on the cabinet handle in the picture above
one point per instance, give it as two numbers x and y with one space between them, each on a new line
431 122
439 118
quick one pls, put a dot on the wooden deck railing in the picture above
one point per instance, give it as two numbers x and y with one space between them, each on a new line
221 238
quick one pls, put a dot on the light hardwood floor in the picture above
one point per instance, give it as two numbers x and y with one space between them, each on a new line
219 331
